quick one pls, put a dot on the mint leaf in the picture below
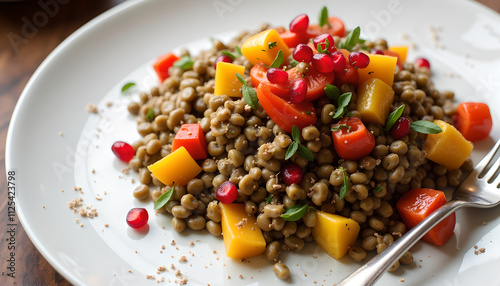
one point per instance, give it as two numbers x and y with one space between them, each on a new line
343 102
295 212
164 199
250 96
238 50
352 39
345 184
292 148
150 116
425 127
332 92
306 153
184 63
393 117
278 61
323 17
127 86
296 134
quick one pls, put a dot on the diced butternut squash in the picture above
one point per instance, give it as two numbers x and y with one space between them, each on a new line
176 168
263 47
334 233
381 67
402 52
448 148
374 100
226 82
242 237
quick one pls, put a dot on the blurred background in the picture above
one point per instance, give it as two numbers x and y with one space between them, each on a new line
29 31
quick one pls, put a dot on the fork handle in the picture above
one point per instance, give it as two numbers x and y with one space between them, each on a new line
369 273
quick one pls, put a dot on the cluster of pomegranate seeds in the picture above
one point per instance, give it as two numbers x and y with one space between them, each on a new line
322 39
298 91
137 217
359 60
277 76
339 61
303 53
323 63
422 62
227 192
124 151
376 52
401 128
223 58
291 174
299 24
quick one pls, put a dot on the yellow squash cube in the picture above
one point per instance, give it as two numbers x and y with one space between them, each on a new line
402 52
177 167
448 148
263 47
381 67
334 233
374 100
226 82
242 237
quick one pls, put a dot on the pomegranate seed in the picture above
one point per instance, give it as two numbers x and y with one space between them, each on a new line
401 128
298 91
421 62
223 58
275 75
323 63
339 61
227 192
137 217
299 24
376 52
359 60
321 39
123 151
292 174
303 53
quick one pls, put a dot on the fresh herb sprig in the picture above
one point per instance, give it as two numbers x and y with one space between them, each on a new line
342 104
297 145
323 17
295 212
278 60
352 39
249 94
421 126
332 92
164 199
127 86
345 184
393 117
184 63
320 49
150 116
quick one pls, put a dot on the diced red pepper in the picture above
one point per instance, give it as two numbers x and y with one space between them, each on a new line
417 204
191 137
473 120
163 63
352 141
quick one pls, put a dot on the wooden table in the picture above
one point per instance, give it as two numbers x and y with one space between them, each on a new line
19 58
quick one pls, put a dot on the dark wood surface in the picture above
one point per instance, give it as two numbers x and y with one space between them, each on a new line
21 52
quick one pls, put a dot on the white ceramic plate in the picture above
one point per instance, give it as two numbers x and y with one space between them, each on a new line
119 46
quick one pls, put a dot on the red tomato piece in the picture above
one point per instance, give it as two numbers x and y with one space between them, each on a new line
417 204
353 143
473 120
192 138
336 28
163 63
284 113
315 80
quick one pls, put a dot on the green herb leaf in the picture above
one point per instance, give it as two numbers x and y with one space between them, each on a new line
378 188
295 212
184 63
250 96
343 102
229 54
425 127
345 184
393 117
332 92
238 50
127 86
320 49
293 63
352 39
306 153
271 45
340 126
308 112
296 134
150 116
269 199
323 17
164 199
241 79
292 148
278 61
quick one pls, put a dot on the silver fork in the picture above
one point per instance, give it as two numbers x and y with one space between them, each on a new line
480 189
